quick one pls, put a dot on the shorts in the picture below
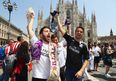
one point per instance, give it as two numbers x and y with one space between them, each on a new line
96 59
108 61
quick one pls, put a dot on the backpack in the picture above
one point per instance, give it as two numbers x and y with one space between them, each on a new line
10 60
36 50
9 63
2 53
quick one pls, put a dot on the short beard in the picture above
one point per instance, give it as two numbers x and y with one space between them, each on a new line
44 39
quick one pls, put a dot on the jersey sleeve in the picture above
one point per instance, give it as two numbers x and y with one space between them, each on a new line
68 38
33 40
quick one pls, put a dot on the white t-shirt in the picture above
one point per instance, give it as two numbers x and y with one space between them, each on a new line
61 54
96 51
41 68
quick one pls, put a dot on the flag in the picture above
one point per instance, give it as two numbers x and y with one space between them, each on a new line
67 22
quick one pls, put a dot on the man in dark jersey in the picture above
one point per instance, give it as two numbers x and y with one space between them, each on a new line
76 50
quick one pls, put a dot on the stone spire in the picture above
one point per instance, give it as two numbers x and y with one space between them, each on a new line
62 1
76 3
93 18
39 17
51 6
61 9
42 14
38 24
73 2
84 12
50 17
94 27
111 32
59 5
40 21
84 16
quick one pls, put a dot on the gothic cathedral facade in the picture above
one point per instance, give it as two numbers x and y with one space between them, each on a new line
70 13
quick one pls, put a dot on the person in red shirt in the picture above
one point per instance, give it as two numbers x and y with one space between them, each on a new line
8 51
17 43
9 47
20 70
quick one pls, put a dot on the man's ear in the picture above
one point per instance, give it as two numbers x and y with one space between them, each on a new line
40 35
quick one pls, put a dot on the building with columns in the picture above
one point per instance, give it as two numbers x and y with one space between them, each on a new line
9 31
69 12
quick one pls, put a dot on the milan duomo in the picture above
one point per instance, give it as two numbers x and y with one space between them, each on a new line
70 11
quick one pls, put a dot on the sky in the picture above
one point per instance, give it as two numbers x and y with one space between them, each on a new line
105 11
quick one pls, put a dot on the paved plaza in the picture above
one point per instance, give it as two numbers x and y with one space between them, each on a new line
99 75
96 75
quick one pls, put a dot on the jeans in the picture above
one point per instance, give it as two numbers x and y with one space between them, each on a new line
70 75
62 73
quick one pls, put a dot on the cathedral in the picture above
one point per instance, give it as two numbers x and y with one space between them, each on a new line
69 12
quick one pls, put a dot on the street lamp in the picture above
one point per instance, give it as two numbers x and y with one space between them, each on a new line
8 5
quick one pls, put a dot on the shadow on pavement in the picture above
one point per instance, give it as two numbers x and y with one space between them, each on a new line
103 77
113 74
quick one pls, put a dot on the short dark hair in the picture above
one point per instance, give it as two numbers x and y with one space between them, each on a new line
19 38
54 36
79 27
41 30
23 50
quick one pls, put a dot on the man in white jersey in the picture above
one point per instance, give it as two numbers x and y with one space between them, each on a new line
41 68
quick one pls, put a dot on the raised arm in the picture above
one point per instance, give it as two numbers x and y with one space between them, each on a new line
30 19
61 29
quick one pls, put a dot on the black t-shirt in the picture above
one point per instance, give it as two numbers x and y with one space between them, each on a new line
76 53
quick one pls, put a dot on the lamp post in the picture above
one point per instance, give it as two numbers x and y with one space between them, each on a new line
10 6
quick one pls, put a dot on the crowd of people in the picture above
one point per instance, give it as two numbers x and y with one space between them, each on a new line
15 58
104 52
52 59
